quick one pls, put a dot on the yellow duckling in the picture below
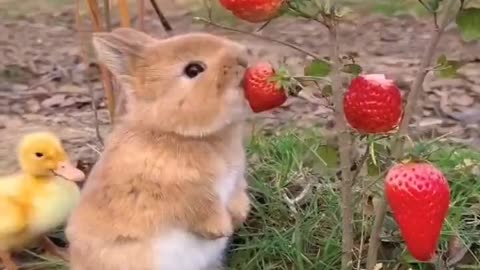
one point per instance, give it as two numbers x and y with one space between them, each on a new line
40 198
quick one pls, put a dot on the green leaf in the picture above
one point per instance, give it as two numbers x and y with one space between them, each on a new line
434 5
378 155
327 91
447 68
318 68
325 6
450 70
353 69
468 21
442 59
342 11
329 154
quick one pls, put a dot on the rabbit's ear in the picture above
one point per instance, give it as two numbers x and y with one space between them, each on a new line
119 49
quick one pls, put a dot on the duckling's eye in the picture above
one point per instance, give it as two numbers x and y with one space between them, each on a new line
193 69
39 155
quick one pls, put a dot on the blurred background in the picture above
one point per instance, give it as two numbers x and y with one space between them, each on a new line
46 80
43 79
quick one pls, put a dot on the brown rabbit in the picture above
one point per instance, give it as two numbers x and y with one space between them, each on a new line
169 188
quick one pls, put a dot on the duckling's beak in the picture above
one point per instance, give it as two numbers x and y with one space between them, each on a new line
66 170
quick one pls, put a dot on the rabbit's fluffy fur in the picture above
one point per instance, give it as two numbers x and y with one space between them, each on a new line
169 188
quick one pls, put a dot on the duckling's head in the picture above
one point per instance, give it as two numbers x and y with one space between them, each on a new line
41 154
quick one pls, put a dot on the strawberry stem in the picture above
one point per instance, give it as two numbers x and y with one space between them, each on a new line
256 35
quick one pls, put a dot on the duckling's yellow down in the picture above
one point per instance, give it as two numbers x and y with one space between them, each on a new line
38 199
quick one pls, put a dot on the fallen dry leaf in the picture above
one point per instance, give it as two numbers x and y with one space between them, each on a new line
456 250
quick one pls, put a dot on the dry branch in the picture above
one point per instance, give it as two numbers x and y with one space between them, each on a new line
263 37
412 99
163 20
124 13
105 74
95 15
84 57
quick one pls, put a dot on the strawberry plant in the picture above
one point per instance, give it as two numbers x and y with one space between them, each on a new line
370 112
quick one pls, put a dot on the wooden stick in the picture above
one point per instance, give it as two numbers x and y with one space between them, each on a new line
84 57
104 73
95 15
108 21
124 13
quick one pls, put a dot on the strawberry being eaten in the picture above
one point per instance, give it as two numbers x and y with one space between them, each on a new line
373 104
419 196
261 92
253 10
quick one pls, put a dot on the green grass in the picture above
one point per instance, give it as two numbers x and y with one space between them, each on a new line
309 236
277 238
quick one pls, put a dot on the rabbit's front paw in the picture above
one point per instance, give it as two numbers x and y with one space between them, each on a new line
239 207
217 226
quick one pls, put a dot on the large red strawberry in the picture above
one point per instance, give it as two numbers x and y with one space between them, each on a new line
253 10
419 196
373 104
261 91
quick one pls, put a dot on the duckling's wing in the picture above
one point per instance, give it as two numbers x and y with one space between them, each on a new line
13 218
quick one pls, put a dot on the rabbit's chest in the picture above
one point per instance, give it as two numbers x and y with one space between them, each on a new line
183 250
225 186
180 249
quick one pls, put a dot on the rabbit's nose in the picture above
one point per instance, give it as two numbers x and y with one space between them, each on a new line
242 61
244 58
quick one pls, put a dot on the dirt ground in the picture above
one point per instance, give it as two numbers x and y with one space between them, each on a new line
43 82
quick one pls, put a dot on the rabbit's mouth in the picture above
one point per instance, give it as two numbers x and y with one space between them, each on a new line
241 83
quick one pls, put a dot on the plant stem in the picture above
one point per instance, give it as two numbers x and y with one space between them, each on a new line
360 164
163 20
344 139
295 47
410 106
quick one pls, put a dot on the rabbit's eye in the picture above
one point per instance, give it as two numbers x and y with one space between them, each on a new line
193 69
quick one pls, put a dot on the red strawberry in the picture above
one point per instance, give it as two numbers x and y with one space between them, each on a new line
262 93
373 104
253 10
419 195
